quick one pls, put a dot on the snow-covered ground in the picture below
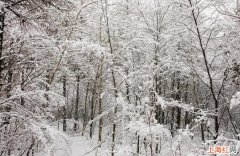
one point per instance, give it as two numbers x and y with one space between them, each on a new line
78 146
70 143
74 144
82 146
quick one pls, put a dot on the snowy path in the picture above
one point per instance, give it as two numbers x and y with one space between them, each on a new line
79 145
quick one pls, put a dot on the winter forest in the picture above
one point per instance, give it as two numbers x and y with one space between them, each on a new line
119 77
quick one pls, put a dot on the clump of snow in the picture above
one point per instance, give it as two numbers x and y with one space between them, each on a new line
145 100
161 102
235 101
143 129
2 4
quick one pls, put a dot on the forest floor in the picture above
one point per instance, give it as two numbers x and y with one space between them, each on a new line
82 146
74 144
78 146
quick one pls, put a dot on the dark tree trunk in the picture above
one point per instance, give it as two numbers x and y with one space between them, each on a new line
22 87
172 121
173 108
48 77
2 24
76 113
9 79
85 116
178 98
100 102
64 107
138 144
128 88
211 83
186 119
92 104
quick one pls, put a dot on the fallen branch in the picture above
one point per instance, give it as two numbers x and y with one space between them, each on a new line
99 145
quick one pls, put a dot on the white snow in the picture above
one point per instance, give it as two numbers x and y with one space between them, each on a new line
76 146
235 101
2 4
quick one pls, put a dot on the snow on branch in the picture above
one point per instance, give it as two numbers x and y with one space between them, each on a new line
235 101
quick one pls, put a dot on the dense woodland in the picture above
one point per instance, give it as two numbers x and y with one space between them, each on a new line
135 77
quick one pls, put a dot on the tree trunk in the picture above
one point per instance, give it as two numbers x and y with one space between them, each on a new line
178 98
127 87
2 24
48 77
173 108
85 116
186 120
105 11
76 113
22 87
115 114
138 144
64 107
92 104
100 102
211 85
